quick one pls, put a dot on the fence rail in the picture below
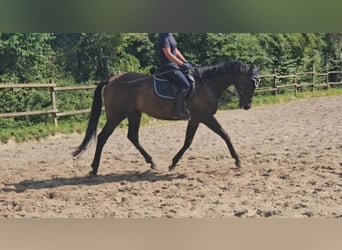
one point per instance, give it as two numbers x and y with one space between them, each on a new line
295 85
53 90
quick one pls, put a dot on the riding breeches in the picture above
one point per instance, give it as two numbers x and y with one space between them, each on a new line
179 79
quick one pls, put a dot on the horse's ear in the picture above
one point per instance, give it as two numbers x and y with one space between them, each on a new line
257 68
254 69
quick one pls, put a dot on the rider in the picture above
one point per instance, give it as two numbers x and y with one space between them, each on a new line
171 59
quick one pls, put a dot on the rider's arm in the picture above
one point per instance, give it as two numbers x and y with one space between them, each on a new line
180 56
176 59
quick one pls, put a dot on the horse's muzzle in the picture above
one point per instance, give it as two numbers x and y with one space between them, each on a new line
246 106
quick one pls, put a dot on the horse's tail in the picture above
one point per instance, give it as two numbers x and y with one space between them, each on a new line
94 118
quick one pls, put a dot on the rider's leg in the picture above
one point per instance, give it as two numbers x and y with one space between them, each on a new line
179 79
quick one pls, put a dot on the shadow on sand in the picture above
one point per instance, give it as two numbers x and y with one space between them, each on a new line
149 176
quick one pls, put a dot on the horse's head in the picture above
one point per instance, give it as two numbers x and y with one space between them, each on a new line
246 86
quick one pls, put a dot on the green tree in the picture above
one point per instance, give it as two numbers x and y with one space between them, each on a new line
141 47
290 52
85 56
210 48
313 52
277 48
26 57
95 56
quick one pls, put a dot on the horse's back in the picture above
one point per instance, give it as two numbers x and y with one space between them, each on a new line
119 93
126 82
122 89
129 78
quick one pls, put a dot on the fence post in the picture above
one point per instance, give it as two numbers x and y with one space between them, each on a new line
275 82
313 78
295 85
54 104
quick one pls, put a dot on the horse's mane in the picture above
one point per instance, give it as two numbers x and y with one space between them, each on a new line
221 68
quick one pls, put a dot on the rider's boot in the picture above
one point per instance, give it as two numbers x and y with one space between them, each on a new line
180 111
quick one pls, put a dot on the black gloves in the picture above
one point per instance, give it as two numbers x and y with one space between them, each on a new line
186 67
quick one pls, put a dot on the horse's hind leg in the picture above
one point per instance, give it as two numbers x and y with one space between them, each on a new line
101 140
190 133
213 124
133 135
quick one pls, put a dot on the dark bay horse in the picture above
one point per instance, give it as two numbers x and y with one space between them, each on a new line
129 94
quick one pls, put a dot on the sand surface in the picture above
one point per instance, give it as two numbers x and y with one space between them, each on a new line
291 167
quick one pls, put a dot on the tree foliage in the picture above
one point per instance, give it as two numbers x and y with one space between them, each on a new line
72 58
82 57
25 57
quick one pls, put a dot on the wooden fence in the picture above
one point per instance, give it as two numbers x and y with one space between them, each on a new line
275 87
53 90
297 84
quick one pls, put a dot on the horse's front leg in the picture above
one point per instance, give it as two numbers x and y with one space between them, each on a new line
213 124
133 135
190 133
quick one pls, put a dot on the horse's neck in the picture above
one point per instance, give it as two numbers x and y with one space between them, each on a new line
220 83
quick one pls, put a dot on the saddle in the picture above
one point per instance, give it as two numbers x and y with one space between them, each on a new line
164 88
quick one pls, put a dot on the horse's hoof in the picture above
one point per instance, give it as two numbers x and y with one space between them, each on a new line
154 166
91 174
238 164
172 167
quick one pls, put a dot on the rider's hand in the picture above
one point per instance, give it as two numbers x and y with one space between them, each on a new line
186 67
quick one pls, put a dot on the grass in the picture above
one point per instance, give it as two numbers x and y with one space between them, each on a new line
259 100
41 131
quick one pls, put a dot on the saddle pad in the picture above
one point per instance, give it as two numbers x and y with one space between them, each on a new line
164 88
